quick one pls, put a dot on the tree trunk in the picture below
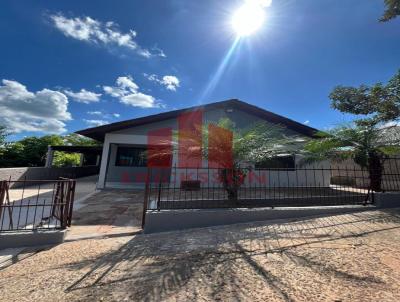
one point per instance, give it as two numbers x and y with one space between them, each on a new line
231 181
232 193
375 172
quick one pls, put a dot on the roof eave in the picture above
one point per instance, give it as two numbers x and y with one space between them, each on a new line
98 133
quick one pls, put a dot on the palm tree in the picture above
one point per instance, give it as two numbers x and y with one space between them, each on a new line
253 144
364 141
250 145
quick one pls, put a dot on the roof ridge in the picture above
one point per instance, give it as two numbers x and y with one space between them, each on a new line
98 133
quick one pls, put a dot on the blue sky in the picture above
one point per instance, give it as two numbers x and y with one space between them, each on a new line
68 65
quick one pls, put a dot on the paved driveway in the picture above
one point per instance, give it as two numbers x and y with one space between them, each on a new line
352 257
106 213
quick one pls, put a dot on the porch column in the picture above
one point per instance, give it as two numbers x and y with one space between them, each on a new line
81 159
103 165
97 160
49 157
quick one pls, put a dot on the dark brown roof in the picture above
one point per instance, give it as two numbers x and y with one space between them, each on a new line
98 133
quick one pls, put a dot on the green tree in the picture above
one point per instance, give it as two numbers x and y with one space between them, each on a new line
3 135
392 10
378 102
35 149
365 143
372 137
62 159
74 139
251 145
32 151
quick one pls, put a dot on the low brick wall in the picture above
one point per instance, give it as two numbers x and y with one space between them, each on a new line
42 173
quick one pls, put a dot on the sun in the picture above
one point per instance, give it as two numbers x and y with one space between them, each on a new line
248 19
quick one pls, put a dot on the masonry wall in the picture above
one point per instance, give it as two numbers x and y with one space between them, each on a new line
42 173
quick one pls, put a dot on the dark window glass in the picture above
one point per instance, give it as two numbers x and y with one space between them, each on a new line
131 157
281 162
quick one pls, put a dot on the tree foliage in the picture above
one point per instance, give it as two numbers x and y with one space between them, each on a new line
354 141
379 102
250 145
3 135
372 137
392 10
62 159
74 139
257 142
32 151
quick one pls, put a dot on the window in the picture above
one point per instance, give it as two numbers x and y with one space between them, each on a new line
281 162
131 157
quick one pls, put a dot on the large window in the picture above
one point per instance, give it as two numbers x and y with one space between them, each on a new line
131 157
281 162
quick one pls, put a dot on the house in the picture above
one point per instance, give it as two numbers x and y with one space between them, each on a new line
127 143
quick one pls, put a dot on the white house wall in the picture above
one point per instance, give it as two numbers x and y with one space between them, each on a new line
316 175
110 175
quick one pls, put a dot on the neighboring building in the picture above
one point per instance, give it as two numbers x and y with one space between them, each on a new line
125 143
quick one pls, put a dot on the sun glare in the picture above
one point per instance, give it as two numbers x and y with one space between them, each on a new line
248 19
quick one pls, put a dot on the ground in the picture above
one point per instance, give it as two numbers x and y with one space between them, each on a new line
352 257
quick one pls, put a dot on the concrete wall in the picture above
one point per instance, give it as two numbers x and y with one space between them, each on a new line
348 170
41 173
387 200
112 176
171 220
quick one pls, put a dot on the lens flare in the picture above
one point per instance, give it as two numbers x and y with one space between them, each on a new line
248 19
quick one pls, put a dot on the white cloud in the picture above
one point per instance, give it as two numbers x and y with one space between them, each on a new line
127 83
127 91
95 123
169 81
139 100
95 112
306 122
83 96
159 52
97 32
22 110
104 115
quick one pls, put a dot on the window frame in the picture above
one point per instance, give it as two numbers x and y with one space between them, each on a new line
290 167
136 160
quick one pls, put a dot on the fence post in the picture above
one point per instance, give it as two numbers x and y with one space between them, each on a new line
159 191
61 201
71 201
2 190
146 197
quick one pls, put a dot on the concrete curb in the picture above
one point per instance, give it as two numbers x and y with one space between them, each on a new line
33 238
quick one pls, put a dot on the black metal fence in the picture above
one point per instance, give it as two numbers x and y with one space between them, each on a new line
198 188
36 204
